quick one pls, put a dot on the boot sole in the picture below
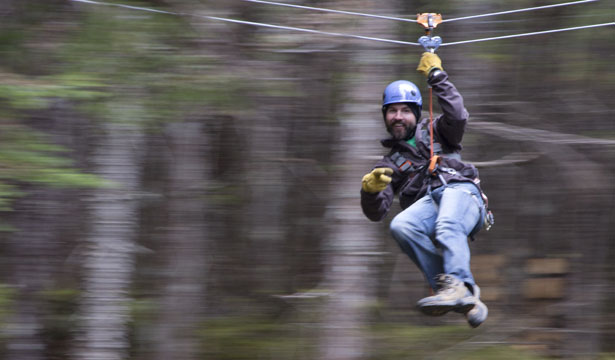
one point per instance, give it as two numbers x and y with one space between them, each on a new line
441 309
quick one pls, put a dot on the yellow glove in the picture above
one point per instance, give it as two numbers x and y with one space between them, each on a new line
429 61
377 180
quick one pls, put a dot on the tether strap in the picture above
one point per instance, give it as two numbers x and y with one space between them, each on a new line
430 123
434 161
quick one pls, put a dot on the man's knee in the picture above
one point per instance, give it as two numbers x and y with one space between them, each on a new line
403 229
448 226
396 227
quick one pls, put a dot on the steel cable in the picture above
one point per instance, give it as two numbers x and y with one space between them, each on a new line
527 34
292 28
334 11
399 42
412 20
518 10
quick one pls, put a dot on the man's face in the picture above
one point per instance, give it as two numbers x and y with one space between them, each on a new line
399 120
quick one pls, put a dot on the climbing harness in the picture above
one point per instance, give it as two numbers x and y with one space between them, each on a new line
430 43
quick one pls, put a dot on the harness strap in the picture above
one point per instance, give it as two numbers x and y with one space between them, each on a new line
430 123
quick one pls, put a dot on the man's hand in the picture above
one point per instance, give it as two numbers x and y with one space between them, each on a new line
429 62
377 180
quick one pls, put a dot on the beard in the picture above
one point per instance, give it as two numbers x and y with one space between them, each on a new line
400 133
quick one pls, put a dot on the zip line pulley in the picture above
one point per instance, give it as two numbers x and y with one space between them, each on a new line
429 21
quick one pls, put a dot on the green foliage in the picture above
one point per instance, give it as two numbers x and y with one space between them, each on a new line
27 157
27 93
396 341
6 302
8 192
502 352
150 75
59 320
110 68
400 341
6 299
240 338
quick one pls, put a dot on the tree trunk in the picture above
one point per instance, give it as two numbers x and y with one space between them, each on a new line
353 243
34 255
36 262
185 249
109 256
267 187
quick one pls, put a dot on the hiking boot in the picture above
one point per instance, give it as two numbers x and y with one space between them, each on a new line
452 294
478 314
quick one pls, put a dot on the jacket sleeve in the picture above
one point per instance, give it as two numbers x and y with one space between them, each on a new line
377 205
449 126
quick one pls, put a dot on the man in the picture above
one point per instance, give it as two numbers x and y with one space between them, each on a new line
442 203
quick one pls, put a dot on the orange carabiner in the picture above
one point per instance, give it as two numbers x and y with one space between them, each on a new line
429 20
433 163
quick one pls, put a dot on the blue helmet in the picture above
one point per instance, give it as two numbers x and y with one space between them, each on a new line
402 91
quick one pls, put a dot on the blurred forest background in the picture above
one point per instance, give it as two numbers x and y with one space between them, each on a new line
174 187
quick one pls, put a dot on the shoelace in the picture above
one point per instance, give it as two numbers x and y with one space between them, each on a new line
444 283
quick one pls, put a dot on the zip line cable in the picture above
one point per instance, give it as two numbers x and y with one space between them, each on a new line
412 20
250 23
128 7
518 10
337 11
307 30
527 34
399 42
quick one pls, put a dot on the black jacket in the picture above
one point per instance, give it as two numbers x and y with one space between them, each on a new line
410 178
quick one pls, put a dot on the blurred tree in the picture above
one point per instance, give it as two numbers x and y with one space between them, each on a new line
108 258
184 277
37 169
150 82
353 245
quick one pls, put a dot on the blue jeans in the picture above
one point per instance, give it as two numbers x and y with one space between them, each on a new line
434 231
